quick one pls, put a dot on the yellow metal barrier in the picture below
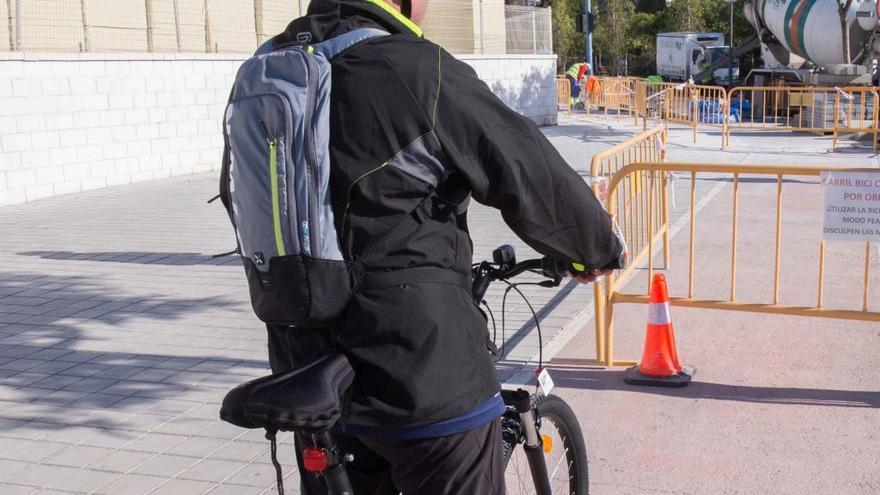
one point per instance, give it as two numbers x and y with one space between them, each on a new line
563 94
640 205
622 183
617 93
803 108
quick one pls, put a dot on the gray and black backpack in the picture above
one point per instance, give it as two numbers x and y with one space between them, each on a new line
277 132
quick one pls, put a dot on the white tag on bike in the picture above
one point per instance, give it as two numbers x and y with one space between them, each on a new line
545 381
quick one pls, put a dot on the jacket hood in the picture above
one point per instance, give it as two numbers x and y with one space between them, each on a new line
328 18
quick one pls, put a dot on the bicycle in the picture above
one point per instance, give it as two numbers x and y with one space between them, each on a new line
310 400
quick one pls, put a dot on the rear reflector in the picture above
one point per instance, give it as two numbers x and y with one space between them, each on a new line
315 459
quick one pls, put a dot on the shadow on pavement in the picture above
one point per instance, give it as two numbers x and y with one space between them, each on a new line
46 326
136 257
592 378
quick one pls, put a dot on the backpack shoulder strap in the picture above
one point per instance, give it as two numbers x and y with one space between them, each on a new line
330 47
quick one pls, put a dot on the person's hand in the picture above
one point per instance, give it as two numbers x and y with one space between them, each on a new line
591 276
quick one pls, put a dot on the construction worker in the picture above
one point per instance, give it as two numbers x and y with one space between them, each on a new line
575 75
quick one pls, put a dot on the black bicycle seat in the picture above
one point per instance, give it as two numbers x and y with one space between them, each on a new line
306 399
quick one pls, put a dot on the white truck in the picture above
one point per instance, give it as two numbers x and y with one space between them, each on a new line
682 55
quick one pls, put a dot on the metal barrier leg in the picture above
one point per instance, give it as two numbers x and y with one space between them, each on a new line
599 317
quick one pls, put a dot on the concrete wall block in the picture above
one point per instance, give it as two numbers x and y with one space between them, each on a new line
62 156
8 125
12 69
170 160
94 183
203 167
198 112
59 121
71 138
137 116
30 123
2 181
39 192
167 130
66 69
165 99
134 84
37 69
45 140
147 131
157 114
192 82
10 161
10 196
55 86
89 153
135 149
112 117
16 142
184 98
176 114
26 87
205 97
143 176
84 120
92 68
159 146
175 83
187 128
123 133
210 156
108 85
13 106
179 143
144 100
149 162
6 88
126 166
209 126
99 135
95 102
189 158
180 170
115 150
118 180
23 177
117 68
72 103
68 187
120 101
144 67
102 168
43 104
50 175
154 84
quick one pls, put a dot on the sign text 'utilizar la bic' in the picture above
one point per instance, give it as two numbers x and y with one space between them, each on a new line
851 206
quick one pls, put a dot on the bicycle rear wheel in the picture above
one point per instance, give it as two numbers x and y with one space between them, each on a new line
564 453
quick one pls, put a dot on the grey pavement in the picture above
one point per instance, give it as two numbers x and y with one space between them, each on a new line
120 334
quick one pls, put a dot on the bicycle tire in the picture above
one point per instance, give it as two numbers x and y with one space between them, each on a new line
557 420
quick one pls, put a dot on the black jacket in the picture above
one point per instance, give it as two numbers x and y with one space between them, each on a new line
413 135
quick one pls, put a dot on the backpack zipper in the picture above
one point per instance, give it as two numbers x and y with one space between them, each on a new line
311 236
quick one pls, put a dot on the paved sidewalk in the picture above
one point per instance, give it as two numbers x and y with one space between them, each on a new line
119 333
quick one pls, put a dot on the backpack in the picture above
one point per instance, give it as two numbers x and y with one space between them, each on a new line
277 169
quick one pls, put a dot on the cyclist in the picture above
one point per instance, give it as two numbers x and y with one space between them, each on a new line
413 135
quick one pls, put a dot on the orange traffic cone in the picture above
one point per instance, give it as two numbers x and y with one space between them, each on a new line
660 365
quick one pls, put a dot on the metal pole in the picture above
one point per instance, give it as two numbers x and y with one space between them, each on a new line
258 20
730 51
148 15
18 25
177 24
85 26
589 40
482 46
534 34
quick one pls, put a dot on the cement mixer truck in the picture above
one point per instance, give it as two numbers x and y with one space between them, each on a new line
822 42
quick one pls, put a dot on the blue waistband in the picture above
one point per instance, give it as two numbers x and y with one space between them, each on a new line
478 416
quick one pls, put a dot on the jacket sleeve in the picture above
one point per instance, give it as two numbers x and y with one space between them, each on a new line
510 165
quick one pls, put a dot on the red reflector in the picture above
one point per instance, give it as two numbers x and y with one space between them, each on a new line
315 459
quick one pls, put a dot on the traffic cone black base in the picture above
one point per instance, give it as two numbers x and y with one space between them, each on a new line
635 377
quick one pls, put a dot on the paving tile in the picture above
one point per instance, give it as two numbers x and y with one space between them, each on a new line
214 470
8 467
41 475
36 451
198 446
227 489
131 484
121 461
259 475
183 487
154 442
84 480
166 465
240 451
78 456
9 489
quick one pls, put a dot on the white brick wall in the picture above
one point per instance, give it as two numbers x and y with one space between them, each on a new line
74 122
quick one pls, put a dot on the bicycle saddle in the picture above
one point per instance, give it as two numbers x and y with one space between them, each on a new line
306 399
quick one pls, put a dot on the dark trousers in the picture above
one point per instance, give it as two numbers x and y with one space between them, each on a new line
468 463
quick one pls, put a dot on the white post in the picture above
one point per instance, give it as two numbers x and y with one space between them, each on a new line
482 40
177 25
18 25
534 34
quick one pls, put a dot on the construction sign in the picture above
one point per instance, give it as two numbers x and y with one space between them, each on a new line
851 206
